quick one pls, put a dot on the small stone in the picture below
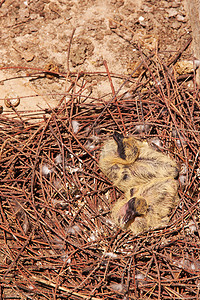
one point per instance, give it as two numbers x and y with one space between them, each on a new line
141 19
28 56
51 70
134 66
24 13
82 50
184 67
99 62
172 12
176 25
99 36
147 9
181 18
14 102
118 3
176 4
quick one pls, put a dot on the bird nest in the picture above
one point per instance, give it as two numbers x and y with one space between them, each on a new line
58 240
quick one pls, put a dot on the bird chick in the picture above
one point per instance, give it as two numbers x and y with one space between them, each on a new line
148 178
128 162
159 197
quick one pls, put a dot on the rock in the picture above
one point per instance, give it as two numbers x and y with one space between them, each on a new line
147 9
184 67
172 12
181 18
135 66
28 56
84 49
176 25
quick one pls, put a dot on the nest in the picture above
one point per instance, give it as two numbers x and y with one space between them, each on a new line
58 240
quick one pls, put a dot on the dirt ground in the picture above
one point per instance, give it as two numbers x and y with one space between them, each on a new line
35 35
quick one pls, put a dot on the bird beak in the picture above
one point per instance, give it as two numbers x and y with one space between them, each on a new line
127 212
136 206
128 217
118 137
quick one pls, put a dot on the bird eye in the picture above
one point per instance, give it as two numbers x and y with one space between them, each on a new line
125 177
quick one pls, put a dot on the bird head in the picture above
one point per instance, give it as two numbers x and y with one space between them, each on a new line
127 147
136 206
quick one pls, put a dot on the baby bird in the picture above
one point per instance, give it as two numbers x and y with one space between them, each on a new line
148 178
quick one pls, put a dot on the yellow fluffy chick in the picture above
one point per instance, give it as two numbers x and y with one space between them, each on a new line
130 162
148 178
159 197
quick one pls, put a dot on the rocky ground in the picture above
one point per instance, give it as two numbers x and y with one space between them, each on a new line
36 34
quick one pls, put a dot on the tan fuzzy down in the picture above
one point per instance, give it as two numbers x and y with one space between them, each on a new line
144 173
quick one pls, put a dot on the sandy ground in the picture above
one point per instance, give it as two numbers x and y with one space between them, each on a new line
35 34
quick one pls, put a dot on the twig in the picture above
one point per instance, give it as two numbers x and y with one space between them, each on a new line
69 48
50 283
